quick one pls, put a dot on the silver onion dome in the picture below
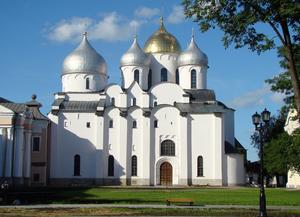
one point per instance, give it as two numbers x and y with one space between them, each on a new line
135 56
192 55
84 59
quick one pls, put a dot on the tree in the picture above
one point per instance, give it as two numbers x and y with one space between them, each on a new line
276 155
282 82
282 151
239 19
294 151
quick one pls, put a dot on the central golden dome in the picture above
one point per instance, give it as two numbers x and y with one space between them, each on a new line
162 41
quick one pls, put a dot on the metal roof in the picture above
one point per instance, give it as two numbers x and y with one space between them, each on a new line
237 148
21 107
83 106
201 95
197 108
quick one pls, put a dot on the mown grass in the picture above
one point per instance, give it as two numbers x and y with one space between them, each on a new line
201 196
139 212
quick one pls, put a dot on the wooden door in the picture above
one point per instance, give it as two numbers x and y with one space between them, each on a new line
166 174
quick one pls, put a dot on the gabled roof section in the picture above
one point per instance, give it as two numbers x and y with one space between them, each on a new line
21 107
198 108
201 95
2 100
237 148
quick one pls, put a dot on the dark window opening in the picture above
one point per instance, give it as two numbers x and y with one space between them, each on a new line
134 102
111 165
155 103
36 177
77 165
155 124
134 166
177 76
112 101
134 125
87 83
137 76
164 75
36 144
111 124
167 148
193 78
150 79
88 124
200 166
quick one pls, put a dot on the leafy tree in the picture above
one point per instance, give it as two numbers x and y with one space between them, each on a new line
240 19
276 155
282 82
282 151
294 151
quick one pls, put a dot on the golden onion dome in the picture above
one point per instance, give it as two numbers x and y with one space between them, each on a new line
162 41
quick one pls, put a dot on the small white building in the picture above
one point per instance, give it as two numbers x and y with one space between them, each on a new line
292 123
162 126
23 143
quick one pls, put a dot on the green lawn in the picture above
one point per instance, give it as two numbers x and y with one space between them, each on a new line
64 212
201 196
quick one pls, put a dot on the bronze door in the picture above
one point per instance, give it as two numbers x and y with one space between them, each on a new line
166 174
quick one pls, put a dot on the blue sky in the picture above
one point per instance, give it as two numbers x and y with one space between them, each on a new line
37 35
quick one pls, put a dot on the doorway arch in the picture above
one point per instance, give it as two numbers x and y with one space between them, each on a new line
166 174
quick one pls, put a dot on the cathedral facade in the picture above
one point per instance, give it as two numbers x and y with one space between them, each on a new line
162 126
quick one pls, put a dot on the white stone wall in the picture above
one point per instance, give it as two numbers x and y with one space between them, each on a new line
163 60
236 169
128 76
77 82
185 76
193 135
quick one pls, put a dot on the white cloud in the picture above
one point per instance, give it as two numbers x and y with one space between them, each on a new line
146 12
177 15
66 30
257 97
110 27
251 98
277 97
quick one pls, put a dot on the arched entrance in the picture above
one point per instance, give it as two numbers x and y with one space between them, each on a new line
166 174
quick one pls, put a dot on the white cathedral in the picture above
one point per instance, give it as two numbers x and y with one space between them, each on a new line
162 126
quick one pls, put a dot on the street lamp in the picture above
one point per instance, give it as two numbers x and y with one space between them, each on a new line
261 122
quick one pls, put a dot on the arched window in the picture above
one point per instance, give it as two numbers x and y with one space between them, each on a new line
87 83
200 166
167 148
133 165
155 103
150 79
137 76
177 76
134 124
111 123
112 101
133 101
193 78
155 124
77 165
111 165
163 75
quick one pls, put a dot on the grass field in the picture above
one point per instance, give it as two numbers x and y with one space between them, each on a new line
60 212
201 196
